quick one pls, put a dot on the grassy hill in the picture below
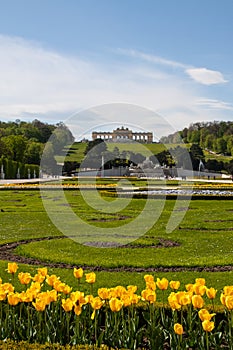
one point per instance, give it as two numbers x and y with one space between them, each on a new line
77 151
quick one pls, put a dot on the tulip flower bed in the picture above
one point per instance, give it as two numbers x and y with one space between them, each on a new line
49 310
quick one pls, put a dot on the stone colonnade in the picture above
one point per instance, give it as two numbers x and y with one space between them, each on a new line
122 134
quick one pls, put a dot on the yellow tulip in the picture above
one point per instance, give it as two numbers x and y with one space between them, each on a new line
62 287
2 295
197 301
135 298
173 302
89 298
24 277
50 280
178 328
127 301
184 298
115 304
42 271
120 291
12 268
200 281
228 290
132 289
90 277
208 326
151 285
189 287
103 293
52 295
112 293
199 289
149 295
211 293
7 287
79 300
162 283
26 297
78 309
39 278
13 299
205 315
149 278
67 304
66 289
174 284
43 296
229 302
39 304
35 287
78 273
96 303
223 299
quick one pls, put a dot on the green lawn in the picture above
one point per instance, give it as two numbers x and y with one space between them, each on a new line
74 153
205 237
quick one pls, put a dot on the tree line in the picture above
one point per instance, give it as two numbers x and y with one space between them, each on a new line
216 136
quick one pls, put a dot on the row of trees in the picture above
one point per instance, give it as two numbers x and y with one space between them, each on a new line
215 136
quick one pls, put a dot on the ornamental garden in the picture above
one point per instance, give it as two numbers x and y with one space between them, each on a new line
164 290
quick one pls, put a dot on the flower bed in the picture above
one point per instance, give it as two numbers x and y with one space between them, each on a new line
48 310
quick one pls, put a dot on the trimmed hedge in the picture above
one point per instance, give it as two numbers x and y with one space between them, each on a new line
11 169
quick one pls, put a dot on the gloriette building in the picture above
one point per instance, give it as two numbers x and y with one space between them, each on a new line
123 135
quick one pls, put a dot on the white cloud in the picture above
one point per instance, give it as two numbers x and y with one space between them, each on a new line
36 81
215 104
206 76
201 75
151 58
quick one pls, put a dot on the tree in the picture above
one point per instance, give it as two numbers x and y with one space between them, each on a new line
196 155
33 153
209 142
220 145
164 158
16 146
182 157
61 137
48 162
229 167
45 130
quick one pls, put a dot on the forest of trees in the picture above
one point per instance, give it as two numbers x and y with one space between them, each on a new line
215 136
24 143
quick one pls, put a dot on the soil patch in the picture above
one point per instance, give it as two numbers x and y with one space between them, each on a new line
121 217
219 220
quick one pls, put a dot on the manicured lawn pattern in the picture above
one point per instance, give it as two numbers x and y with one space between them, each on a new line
200 247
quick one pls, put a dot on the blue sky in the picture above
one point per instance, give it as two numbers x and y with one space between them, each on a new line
61 57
